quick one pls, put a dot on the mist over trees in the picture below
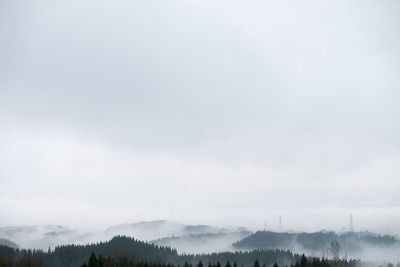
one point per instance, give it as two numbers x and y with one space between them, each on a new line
138 252
316 242
123 251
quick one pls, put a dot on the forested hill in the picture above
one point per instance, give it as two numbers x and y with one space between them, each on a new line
119 246
8 243
318 241
140 251
75 255
202 243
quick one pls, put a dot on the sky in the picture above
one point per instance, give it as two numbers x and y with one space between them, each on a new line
197 111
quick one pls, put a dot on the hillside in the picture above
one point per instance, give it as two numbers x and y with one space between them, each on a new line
352 243
41 236
8 243
152 230
203 243
45 236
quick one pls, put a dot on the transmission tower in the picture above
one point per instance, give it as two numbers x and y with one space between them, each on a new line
351 229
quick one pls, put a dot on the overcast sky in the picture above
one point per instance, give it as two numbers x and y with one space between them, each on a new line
220 112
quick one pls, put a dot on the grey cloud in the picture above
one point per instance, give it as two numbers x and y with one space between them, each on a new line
293 97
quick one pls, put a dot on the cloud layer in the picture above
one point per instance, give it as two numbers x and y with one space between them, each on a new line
224 111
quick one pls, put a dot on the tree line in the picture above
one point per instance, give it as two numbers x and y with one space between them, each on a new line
124 251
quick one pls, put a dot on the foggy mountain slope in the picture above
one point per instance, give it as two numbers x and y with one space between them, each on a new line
146 230
45 236
35 236
363 245
208 239
8 243
203 243
153 230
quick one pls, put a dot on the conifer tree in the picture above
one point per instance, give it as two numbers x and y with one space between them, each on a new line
303 261
93 260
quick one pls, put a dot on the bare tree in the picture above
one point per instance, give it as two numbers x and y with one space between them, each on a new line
334 250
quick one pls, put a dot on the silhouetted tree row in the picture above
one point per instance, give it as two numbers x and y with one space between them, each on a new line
10 257
123 251
100 261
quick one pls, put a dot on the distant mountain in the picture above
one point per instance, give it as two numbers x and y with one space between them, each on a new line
45 236
353 244
204 242
146 230
40 236
151 230
8 243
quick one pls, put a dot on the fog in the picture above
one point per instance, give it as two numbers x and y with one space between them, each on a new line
367 253
375 255
199 239
184 238
203 112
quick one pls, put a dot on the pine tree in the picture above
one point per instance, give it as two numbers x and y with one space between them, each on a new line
101 261
93 260
303 261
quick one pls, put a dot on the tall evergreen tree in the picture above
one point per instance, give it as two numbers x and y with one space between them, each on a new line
303 261
93 260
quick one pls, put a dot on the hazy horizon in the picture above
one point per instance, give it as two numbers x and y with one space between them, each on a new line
272 226
227 113
204 239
